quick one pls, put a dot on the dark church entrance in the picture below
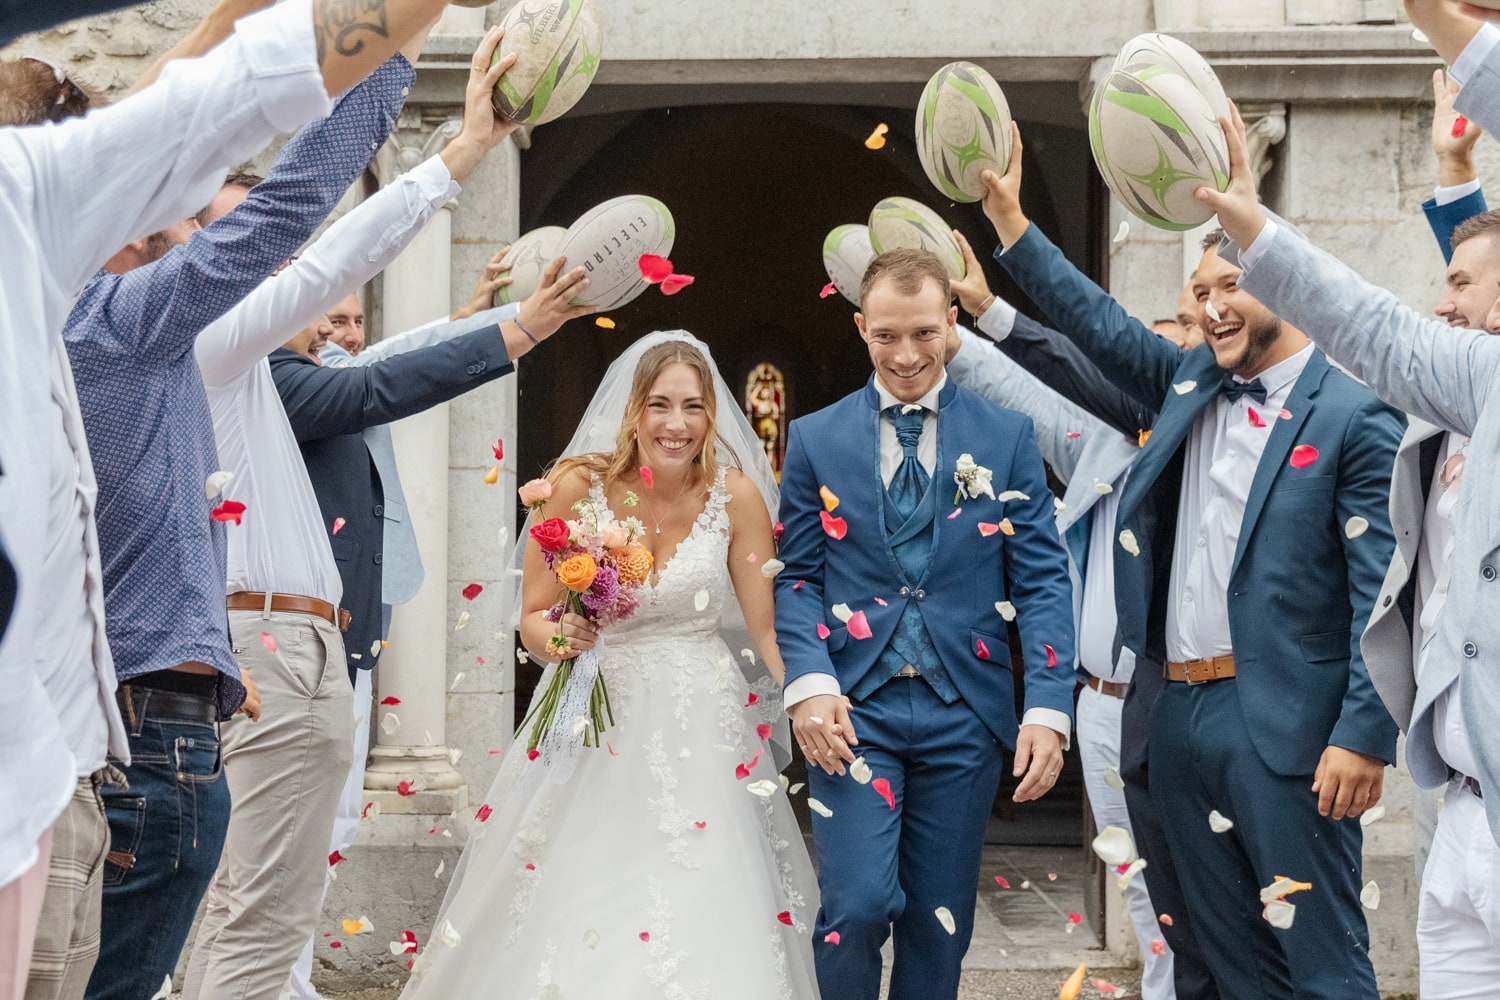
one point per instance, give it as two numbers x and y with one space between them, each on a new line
754 188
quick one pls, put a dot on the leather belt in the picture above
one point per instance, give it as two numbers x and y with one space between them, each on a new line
1215 668
1108 687
250 600
908 671
140 702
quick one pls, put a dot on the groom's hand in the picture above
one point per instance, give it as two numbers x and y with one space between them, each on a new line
1039 757
824 732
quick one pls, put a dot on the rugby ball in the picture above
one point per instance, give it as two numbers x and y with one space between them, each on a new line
527 259
846 254
1156 139
608 241
557 45
901 222
963 129
1144 52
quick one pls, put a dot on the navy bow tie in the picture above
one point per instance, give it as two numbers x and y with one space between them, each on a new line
1254 388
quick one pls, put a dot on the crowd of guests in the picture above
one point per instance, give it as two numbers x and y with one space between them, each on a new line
190 411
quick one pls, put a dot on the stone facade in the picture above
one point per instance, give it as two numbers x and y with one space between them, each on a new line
1340 92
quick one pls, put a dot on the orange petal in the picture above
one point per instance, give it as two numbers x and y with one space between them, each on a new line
877 137
1006 528
1142 436
1074 985
493 476
604 323
830 501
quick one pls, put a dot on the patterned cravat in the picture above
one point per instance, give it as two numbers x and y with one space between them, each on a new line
910 481
1254 388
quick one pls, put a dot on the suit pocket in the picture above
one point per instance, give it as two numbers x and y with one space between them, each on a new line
126 815
1292 483
395 510
989 647
1325 646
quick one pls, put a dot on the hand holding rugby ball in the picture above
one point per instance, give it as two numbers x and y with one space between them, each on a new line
608 242
963 129
526 260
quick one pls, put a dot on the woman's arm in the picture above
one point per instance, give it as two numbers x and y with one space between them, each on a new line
540 589
750 545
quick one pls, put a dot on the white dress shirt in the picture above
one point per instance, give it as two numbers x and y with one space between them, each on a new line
1098 621
71 195
1434 572
281 546
1223 451
891 457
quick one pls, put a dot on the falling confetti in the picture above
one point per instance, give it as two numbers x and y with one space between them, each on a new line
700 600
1183 388
499 450
1460 126
842 612
828 290
1115 846
1121 233
405 789
269 641
832 937
771 567
604 323
1128 542
449 935
360 926
1255 418
1419 35
823 631
986 529
1074 984
493 476
406 946
860 771
458 677
1074 435
463 619
647 478
785 917
644 935
1103 489
338 524
1158 947
1112 778
216 483
1372 815
390 723
830 500
1002 881
483 813
1219 823
674 283
1010 495
1141 437
228 511
819 807
877 137
881 602
752 699
945 917
834 527
439 872
1104 986
1130 871
882 787
1370 896
335 858
1051 655
1165 919
1213 313
1282 886
1280 914
1006 528
1285 414
981 649
654 268
472 591
1355 526
859 626
1304 455
764 788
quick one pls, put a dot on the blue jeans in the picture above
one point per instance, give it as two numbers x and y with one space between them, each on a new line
166 833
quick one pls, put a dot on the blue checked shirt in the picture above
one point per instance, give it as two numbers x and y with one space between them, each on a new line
130 339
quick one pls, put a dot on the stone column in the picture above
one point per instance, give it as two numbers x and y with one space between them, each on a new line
411 770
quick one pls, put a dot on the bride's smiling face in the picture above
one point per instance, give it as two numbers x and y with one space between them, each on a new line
675 420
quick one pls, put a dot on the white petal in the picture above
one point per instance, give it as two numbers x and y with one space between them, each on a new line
441 866
463 619
1128 542
1012 495
1007 610
1276 889
1419 35
504 535
786 783
375 648
591 939
764 788
1122 232
796 788
166 984
1112 778
449 935
1219 823
860 771
945 917
390 723
1114 846
1280 913
1130 872
684 753
1103 489
216 482
1355 526
818 807
522 656
1370 896
453 754
771 567
700 600
842 612
748 654
457 680
580 725
1213 313
1057 503
1372 815
1183 388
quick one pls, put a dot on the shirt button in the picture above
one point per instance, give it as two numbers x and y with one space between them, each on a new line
1488 573
377 559
1471 650
405 91
379 510
1387 602
374 145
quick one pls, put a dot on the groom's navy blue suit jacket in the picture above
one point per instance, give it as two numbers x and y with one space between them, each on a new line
1300 589
968 573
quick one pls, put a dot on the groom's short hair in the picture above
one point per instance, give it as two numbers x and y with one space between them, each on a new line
908 269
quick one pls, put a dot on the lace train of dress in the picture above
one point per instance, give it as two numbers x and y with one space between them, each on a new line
653 872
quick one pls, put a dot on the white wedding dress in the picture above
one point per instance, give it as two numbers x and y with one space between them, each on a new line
653 872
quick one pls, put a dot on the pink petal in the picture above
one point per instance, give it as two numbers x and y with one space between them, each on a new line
981 649
1104 986
834 527
674 283
404 789
1166 919
1075 918
828 290
859 626
798 584
483 813
335 858
1285 414
1304 455
338 523
1051 656
269 641
472 591
777 530
654 268
1052 876
883 786
1002 881
1158 947
881 603
701 824
1255 420
645 935
832 937
823 632
987 529
530 866
763 730
956 511
785 917
753 699
615 753
646 477
390 699
1075 434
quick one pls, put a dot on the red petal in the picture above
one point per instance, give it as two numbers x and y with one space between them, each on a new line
335 858
483 813
823 632
1002 882
1051 656
777 530
674 283
1255 420
646 477
981 649
654 269
531 867
645 935
1460 125
701 824
741 772
472 591
763 730
859 626
533 754
335 944
1075 918
338 523
882 786
828 290
228 510
832 937
1075 434
1304 455
834 527
785 917
753 699
499 450
390 699
798 584
403 788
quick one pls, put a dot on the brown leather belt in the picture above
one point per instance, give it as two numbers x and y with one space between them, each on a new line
1215 668
1108 687
249 600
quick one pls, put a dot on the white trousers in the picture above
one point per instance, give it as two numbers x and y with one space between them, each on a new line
345 826
1458 917
1098 726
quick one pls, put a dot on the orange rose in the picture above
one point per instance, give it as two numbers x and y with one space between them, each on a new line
634 564
577 573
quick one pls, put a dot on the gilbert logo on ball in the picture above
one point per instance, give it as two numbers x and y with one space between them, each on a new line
1155 134
846 254
608 241
963 129
527 258
557 45
901 222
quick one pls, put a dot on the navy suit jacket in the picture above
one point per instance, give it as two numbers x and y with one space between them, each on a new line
968 573
1445 218
329 407
1300 590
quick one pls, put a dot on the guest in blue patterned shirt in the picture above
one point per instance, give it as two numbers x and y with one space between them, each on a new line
131 341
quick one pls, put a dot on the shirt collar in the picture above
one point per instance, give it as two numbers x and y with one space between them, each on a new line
930 400
1282 373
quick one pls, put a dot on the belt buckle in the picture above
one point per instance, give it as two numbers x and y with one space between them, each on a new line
1187 669
908 670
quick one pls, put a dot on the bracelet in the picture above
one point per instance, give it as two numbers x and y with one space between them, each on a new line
984 306
535 343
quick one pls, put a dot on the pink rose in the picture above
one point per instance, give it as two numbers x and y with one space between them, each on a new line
536 492
615 536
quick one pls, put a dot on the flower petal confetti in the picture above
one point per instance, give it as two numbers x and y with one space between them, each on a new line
1370 896
1460 126
360 926
1211 309
830 500
493 476
981 649
472 591
1006 528
833 527
819 807
338 524
1007 610
674 283
1122 232
1219 823
166 990
1112 778
1103 489
406 946
1115 846
859 626
823 631
1355 526
390 699
1255 418
1104 986
1280 914
1074 984
335 858
764 788
647 478
860 771
654 268
771 567
1158 947
1285 414
876 139
483 813
828 290
1141 437
1372 815
1282 886
1183 388
1002 881
269 641
882 787
945 917
1010 495
1165 919
1074 435
228 511
390 723
1129 872
463 619
842 612
1304 455
986 529
644 935
832 937
1128 542
1051 655
752 699
604 323
700 600
956 511
405 789
785 916
216 482
449 935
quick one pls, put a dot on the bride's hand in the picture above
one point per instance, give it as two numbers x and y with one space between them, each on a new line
579 632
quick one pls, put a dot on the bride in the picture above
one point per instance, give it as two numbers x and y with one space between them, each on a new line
658 868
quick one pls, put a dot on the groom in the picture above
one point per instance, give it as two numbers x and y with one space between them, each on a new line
891 616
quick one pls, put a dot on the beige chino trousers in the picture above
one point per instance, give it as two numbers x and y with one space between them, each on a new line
285 773
67 936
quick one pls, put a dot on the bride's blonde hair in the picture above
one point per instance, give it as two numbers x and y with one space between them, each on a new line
626 456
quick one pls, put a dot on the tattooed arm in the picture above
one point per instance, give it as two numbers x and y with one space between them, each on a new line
355 36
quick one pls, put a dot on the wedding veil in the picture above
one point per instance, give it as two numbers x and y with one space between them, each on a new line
737 446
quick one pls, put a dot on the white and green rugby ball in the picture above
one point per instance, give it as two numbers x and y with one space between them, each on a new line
557 45
963 129
608 241
1156 139
527 259
901 222
846 256
1157 49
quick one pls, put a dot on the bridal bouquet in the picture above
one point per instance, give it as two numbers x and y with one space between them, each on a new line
601 564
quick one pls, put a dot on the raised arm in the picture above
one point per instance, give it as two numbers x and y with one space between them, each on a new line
1458 196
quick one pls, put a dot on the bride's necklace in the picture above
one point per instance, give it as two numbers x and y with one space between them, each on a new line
651 508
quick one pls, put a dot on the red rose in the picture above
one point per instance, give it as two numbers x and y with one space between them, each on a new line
552 534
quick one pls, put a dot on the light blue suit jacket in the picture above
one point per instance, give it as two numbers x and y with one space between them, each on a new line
401 570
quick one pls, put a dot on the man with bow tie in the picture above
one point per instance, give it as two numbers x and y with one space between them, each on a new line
1253 539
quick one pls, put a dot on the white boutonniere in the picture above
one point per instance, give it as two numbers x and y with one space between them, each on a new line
973 480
